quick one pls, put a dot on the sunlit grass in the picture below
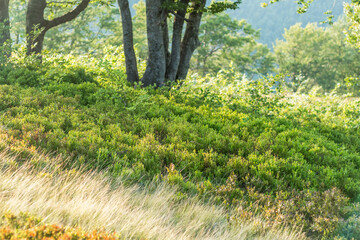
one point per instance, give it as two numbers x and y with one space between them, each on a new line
88 200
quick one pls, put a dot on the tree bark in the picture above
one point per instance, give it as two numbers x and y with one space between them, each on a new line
166 38
191 40
156 64
5 44
128 38
37 26
178 26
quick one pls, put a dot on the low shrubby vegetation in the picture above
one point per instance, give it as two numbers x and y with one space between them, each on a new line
28 227
241 142
70 204
248 146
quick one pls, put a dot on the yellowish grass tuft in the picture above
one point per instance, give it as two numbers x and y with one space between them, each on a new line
87 200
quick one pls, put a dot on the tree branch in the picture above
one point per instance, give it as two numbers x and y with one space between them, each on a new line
177 15
68 16
60 2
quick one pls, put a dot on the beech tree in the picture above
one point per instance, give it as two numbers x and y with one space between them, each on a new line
37 25
4 28
89 32
130 57
352 12
313 55
164 63
227 43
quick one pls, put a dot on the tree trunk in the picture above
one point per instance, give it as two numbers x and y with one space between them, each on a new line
37 26
191 40
176 42
128 39
166 38
156 64
5 44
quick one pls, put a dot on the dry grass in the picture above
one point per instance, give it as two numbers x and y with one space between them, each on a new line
87 200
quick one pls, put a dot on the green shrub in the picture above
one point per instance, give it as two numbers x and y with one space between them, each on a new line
286 151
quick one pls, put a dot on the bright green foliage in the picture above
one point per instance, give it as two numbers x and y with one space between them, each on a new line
213 7
243 142
353 34
139 25
317 56
97 26
17 14
221 6
227 43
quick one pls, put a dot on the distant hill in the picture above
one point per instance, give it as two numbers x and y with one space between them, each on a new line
275 18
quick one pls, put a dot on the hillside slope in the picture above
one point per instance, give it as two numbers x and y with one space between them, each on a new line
275 18
89 201
292 159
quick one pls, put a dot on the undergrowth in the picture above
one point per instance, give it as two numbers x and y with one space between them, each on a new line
71 203
253 147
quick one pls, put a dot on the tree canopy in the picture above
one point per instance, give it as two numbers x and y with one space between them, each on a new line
313 55
167 34
226 42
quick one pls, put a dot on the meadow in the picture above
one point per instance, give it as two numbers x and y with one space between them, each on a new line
224 154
